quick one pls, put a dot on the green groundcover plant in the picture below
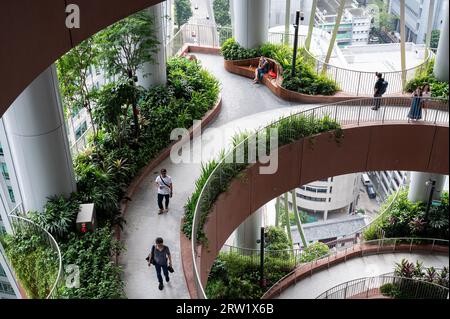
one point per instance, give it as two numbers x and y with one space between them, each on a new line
438 89
306 80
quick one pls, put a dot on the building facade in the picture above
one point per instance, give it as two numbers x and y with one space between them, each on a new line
416 21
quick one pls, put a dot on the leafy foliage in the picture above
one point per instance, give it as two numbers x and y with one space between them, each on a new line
407 219
34 261
58 217
183 12
222 12
306 80
313 252
99 276
438 89
127 44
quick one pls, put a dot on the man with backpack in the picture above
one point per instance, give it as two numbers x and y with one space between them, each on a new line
161 258
165 190
380 88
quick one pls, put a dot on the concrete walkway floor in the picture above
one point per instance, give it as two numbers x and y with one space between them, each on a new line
244 106
369 266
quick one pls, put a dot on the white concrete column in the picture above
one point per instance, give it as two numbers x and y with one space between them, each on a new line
250 231
325 215
251 19
155 73
420 191
37 136
441 63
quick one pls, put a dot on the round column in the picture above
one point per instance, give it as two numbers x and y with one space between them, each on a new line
420 191
251 19
441 63
155 72
249 231
35 128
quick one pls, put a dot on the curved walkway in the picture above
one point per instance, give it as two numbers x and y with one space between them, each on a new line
244 106
368 266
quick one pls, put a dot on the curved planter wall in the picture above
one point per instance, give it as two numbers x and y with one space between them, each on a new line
411 147
241 67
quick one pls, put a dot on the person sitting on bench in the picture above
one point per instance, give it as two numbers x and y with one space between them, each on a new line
262 69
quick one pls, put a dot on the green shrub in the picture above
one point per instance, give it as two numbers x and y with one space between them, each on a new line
438 89
231 50
388 289
33 260
58 217
99 276
306 80
313 252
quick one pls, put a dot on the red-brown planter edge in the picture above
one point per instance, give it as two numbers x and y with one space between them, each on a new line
304 271
239 67
206 120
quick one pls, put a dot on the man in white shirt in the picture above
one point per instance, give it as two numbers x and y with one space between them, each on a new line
164 184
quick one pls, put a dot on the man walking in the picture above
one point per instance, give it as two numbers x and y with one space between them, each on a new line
379 90
159 257
165 190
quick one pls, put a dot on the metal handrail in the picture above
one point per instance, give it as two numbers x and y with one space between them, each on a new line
14 221
342 116
371 283
376 242
298 251
346 78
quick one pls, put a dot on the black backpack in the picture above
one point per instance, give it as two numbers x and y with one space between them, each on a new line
384 86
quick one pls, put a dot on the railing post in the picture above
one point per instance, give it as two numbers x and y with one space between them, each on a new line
432 247
359 85
410 245
345 291
395 241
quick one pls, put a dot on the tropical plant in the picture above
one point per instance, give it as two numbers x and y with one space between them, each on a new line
404 269
58 217
73 71
222 12
313 252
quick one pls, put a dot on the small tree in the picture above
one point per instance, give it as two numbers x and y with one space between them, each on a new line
222 12
183 12
73 72
126 46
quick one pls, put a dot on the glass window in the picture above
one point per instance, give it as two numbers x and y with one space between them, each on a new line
4 170
11 194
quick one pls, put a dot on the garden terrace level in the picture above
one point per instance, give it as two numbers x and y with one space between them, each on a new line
371 141
40 27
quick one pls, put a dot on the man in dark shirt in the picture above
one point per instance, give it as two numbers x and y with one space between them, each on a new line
160 256
378 91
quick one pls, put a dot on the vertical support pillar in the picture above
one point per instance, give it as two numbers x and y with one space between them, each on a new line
287 219
155 73
441 63
403 41
251 18
419 190
429 28
334 34
248 232
298 220
311 25
38 142
287 22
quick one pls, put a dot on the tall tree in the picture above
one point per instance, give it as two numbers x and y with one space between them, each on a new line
73 72
126 46
183 12
222 12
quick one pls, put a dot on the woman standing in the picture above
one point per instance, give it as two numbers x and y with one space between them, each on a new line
426 96
415 112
